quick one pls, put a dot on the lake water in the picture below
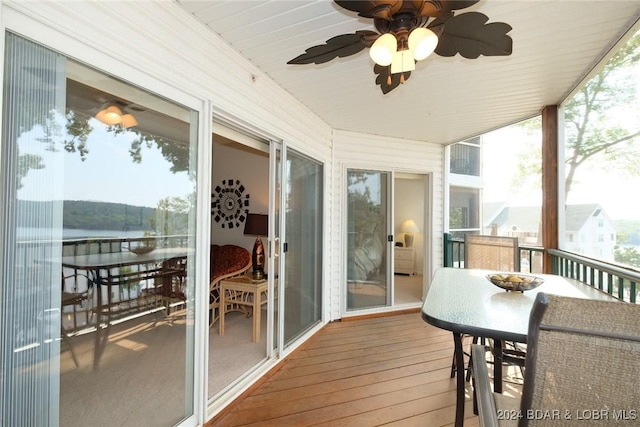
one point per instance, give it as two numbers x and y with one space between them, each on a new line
74 233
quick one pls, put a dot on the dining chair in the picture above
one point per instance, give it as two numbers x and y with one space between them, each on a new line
582 367
497 253
75 298
170 283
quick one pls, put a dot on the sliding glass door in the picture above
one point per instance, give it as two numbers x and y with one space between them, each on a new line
97 242
296 245
368 243
303 237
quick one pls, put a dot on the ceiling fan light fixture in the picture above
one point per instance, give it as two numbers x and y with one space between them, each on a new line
128 121
422 41
412 27
402 62
112 115
383 49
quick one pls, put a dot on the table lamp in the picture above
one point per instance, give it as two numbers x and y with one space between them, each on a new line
257 225
408 228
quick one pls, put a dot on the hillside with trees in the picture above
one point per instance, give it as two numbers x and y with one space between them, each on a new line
80 214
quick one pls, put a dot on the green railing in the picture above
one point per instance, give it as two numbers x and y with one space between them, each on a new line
617 280
530 256
614 279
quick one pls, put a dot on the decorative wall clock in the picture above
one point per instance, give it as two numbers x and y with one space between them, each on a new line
228 203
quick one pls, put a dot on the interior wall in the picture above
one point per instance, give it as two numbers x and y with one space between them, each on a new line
409 202
251 168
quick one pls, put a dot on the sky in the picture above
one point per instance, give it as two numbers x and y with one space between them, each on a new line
594 182
108 174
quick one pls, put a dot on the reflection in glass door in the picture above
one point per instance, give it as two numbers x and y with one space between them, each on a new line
367 231
303 237
97 286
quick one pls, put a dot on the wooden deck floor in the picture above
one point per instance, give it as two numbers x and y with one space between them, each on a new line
390 370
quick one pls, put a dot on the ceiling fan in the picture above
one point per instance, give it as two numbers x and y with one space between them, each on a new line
409 31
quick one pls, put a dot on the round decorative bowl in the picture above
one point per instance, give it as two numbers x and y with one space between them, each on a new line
515 282
143 249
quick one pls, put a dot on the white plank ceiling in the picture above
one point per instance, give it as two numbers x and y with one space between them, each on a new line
555 45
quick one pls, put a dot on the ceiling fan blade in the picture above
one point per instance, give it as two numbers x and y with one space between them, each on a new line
435 8
338 46
382 79
469 35
372 8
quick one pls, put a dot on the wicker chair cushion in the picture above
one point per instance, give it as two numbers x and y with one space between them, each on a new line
227 259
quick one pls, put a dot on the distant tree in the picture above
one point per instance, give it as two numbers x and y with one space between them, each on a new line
27 162
172 215
627 255
591 126
455 218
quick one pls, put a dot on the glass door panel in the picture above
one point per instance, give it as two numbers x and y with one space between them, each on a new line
367 243
99 195
303 237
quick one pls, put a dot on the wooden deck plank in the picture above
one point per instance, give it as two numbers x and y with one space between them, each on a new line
351 377
392 370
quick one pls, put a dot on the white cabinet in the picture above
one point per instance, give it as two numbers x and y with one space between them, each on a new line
404 261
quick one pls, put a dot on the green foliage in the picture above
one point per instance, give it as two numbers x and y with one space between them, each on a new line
627 232
76 138
591 127
365 212
27 162
172 216
87 215
78 129
593 131
455 218
627 255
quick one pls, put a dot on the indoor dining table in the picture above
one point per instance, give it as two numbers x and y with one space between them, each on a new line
464 301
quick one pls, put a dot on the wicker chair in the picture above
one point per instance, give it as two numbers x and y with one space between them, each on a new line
226 261
582 367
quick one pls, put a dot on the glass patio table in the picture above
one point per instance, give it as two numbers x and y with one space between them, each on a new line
464 301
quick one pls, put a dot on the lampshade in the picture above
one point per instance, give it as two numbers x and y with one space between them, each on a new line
422 41
408 226
112 115
128 121
383 49
256 225
403 61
